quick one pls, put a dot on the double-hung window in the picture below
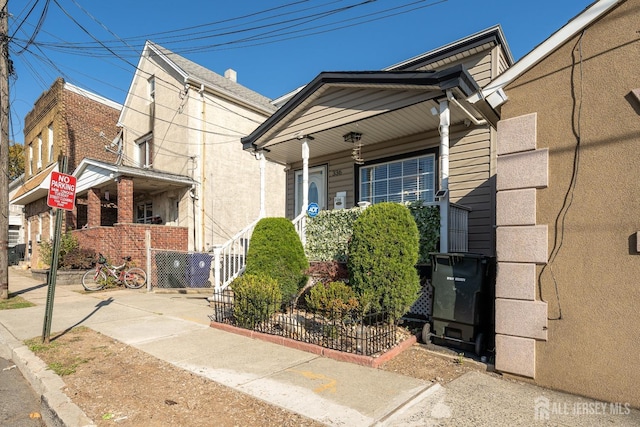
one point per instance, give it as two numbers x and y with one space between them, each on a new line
401 181
144 213
145 151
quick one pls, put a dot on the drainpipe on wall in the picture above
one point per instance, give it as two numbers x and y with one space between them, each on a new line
263 165
203 178
445 121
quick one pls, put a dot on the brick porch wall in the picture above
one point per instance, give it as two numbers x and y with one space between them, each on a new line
123 240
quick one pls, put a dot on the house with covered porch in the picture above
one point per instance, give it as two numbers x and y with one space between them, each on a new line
179 180
400 134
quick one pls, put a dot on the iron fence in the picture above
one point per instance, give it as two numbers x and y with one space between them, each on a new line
346 331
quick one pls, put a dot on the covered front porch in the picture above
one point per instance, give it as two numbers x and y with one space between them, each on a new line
351 139
122 211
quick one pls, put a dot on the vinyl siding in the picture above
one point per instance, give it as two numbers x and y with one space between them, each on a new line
470 179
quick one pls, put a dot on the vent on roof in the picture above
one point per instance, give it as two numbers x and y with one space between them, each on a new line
231 74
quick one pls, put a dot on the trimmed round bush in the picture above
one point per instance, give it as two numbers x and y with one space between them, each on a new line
383 253
256 299
336 299
276 251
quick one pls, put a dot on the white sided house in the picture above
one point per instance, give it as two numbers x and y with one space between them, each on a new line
181 127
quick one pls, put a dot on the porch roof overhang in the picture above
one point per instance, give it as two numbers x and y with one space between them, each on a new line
92 173
35 188
381 105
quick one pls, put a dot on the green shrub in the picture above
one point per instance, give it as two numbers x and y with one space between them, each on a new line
383 253
256 299
328 234
428 221
335 298
78 259
70 255
276 251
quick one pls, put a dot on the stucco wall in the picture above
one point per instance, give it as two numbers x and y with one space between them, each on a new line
589 123
198 135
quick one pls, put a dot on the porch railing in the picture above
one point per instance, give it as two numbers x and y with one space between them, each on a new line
230 259
300 224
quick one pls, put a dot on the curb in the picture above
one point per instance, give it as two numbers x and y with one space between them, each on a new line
57 409
369 361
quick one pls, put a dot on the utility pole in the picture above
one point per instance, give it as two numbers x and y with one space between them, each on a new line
4 149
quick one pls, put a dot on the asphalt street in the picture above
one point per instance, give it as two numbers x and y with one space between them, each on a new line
19 404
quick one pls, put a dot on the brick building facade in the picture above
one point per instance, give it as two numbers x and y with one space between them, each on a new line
65 121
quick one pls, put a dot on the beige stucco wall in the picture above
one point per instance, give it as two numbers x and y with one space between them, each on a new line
580 94
198 135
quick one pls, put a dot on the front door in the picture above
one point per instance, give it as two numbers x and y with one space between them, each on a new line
317 188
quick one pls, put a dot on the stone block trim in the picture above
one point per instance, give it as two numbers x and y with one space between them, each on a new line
517 134
526 319
523 170
516 355
526 244
516 207
516 281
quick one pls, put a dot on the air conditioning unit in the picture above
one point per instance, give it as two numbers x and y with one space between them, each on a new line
38 237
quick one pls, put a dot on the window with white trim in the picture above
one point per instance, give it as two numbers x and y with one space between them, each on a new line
404 180
50 142
144 152
144 213
151 85
30 159
39 165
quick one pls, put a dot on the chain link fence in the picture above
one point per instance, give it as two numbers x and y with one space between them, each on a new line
181 270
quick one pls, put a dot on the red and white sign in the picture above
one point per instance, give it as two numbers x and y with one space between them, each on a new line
62 191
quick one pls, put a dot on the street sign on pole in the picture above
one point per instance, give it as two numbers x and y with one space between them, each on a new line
62 191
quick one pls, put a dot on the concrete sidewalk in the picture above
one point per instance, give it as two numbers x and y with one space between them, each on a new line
175 328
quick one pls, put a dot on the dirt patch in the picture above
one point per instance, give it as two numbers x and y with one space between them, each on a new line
117 384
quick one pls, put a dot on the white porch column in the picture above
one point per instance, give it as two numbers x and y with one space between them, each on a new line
305 186
305 174
445 121
263 165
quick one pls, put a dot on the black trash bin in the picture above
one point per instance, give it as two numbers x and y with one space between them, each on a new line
14 256
171 269
461 300
198 270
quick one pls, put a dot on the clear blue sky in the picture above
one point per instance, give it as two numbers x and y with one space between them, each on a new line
96 44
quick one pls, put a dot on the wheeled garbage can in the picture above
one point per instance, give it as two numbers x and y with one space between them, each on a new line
461 300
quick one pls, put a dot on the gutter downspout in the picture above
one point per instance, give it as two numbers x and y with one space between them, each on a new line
203 178
263 186
445 122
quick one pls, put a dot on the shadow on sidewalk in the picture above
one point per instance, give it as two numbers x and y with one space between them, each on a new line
32 288
98 306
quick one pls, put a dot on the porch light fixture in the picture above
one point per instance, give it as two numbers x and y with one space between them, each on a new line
355 138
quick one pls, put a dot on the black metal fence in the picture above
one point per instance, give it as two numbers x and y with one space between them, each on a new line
347 331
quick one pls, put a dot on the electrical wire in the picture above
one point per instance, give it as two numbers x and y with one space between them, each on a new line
559 227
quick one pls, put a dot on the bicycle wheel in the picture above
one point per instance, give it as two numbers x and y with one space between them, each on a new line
94 280
135 278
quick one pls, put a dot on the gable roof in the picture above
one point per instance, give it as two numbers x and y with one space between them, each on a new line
490 35
197 74
494 93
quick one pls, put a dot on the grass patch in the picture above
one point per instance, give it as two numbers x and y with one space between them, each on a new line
14 302
57 353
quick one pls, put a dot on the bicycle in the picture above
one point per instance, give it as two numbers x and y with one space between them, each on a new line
98 278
